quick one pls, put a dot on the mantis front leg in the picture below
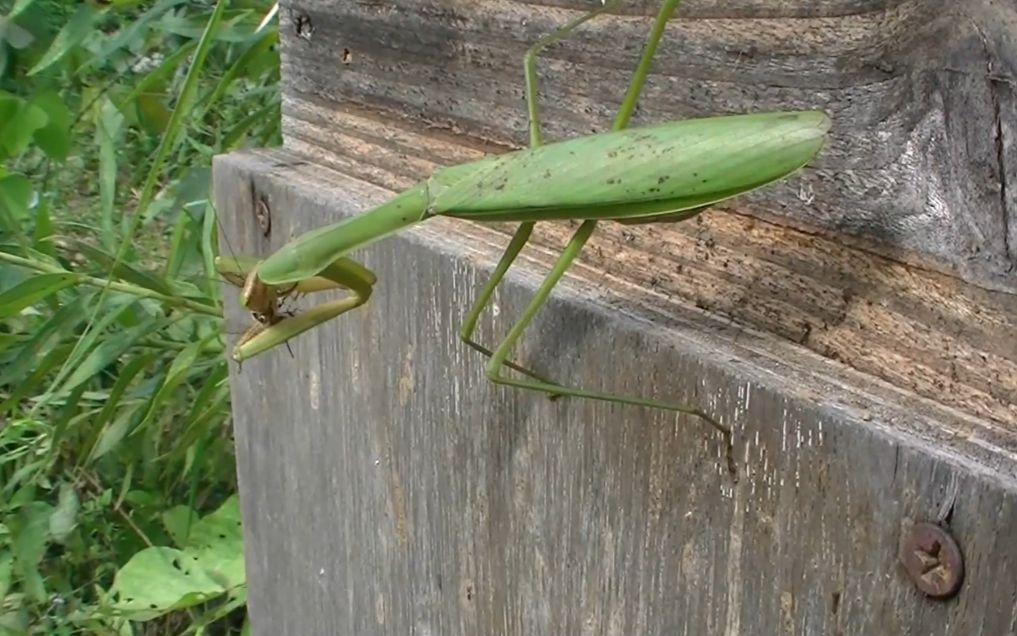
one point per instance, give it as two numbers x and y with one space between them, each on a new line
274 328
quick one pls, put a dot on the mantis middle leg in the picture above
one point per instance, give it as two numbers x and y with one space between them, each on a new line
523 232
573 249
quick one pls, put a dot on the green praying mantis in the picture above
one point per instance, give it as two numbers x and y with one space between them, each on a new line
657 174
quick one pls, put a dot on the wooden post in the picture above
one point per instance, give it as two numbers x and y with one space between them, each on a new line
853 325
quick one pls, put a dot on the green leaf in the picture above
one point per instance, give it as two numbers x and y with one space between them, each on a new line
211 403
7 341
43 338
29 530
124 271
177 373
17 37
84 344
15 621
42 235
33 290
15 198
179 520
177 252
17 129
65 516
6 567
54 138
73 33
113 434
209 250
109 123
191 191
9 106
124 380
18 7
218 541
28 385
153 113
157 581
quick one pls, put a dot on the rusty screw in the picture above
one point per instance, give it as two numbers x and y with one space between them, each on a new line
932 559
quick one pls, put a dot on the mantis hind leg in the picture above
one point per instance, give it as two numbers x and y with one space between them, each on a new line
470 322
522 234
497 360
575 246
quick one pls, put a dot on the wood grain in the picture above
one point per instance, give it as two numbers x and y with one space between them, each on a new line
922 161
388 488
853 325
828 260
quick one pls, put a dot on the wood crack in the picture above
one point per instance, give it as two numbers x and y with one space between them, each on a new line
994 81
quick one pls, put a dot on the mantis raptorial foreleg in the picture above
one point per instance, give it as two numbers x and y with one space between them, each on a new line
264 301
575 245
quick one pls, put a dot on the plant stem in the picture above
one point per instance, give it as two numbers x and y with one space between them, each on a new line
127 288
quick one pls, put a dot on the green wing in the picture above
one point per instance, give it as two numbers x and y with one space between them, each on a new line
633 173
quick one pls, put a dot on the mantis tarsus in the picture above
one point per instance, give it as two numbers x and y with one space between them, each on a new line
662 173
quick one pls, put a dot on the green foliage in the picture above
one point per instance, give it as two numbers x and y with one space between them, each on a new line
209 565
117 481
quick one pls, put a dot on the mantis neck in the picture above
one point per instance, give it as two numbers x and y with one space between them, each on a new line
312 252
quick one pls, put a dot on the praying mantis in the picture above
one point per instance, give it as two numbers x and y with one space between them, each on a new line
664 173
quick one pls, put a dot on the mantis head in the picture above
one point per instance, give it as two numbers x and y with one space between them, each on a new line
272 325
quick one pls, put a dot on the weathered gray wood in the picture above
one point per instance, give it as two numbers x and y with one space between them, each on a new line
387 488
858 335
916 172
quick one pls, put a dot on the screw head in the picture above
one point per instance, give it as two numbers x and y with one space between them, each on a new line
932 559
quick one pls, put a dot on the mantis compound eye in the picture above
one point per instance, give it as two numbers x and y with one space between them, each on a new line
260 317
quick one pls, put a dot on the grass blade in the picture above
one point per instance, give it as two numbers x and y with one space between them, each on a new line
72 34
32 290
123 271
109 350
43 339
124 380
108 124
260 47
181 112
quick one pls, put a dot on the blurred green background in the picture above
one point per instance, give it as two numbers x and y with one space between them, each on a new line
118 509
